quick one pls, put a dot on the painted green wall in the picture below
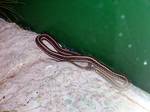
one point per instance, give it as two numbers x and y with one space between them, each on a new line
115 31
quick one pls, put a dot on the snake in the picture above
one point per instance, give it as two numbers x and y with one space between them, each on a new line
63 54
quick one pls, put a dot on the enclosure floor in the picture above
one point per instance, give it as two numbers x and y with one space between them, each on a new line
30 81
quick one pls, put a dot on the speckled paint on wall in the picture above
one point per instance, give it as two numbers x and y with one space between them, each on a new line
114 31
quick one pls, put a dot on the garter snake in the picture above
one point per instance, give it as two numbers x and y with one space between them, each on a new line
63 54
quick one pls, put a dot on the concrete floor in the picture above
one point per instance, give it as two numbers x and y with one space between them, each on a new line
30 81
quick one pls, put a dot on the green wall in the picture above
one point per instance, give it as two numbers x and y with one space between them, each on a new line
114 31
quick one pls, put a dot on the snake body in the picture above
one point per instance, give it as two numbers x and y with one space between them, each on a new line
62 54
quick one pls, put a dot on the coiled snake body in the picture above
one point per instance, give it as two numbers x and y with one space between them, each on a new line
62 54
